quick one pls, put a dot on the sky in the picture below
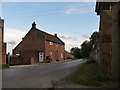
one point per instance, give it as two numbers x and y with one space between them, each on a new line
74 22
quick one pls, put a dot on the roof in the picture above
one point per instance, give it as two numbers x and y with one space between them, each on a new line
48 37
101 4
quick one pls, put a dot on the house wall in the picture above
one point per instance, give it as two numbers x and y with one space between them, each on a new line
2 44
105 38
4 53
32 44
115 63
110 40
54 51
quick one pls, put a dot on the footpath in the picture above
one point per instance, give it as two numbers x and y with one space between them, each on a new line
19 66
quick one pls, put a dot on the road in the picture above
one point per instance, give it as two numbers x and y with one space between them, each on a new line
39 76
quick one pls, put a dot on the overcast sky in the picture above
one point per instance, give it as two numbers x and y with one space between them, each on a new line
74 22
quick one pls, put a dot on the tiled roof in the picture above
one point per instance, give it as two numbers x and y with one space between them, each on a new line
48 37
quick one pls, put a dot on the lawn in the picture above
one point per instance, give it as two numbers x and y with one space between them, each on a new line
3 66
89 75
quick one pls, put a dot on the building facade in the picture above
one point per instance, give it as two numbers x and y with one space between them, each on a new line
40 46
109 38
2 44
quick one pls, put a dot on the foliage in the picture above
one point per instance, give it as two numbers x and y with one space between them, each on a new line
76 52
86 47
89 75
94 37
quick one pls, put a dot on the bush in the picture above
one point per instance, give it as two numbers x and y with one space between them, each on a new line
89 74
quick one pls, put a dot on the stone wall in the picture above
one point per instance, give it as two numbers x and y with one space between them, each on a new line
105 41
18 60
109 39
0 44
115 63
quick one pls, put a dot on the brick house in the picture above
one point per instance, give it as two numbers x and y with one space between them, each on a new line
38 45
2 44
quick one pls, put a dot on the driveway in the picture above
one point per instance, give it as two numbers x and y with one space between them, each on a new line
39 76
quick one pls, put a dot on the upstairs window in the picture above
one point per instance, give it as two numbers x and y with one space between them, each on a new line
56 45
107 7
51 43
51 52
61 55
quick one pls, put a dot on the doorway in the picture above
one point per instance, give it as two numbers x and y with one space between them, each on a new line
41 57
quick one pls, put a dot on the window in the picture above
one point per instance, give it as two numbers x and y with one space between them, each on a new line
107 6
56 45
51 43
17 54
61 55
51 52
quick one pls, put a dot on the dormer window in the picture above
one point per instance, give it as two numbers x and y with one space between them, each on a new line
51 43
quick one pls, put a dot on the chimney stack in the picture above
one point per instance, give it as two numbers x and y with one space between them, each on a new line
33 25
55 34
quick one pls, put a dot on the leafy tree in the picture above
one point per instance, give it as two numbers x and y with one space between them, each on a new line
86 47
94 37
76 52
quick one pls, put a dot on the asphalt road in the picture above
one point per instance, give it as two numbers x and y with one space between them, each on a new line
39 76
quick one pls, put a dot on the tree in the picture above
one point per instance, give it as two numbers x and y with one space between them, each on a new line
86 47
76 52
94 37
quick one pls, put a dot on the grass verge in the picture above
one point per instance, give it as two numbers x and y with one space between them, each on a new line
89 75
3 66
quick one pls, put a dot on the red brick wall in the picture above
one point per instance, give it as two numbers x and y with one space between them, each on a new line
31 45
54 51
4 53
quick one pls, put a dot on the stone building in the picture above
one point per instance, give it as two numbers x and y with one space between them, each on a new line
109 39
2 44
40 46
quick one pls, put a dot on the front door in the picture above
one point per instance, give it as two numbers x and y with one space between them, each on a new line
41 57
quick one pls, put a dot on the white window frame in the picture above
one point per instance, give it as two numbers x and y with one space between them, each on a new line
56 45
61 55
51 43
51 52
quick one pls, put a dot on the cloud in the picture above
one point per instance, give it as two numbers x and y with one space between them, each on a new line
85 36
12 37
64 37
12 42
70 41
77 9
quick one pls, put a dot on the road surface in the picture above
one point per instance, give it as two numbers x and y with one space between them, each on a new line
39 76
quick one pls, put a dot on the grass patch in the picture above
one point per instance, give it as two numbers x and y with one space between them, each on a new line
89 75
4 66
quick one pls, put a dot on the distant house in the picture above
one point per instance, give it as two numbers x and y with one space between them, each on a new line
2 44
40 46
